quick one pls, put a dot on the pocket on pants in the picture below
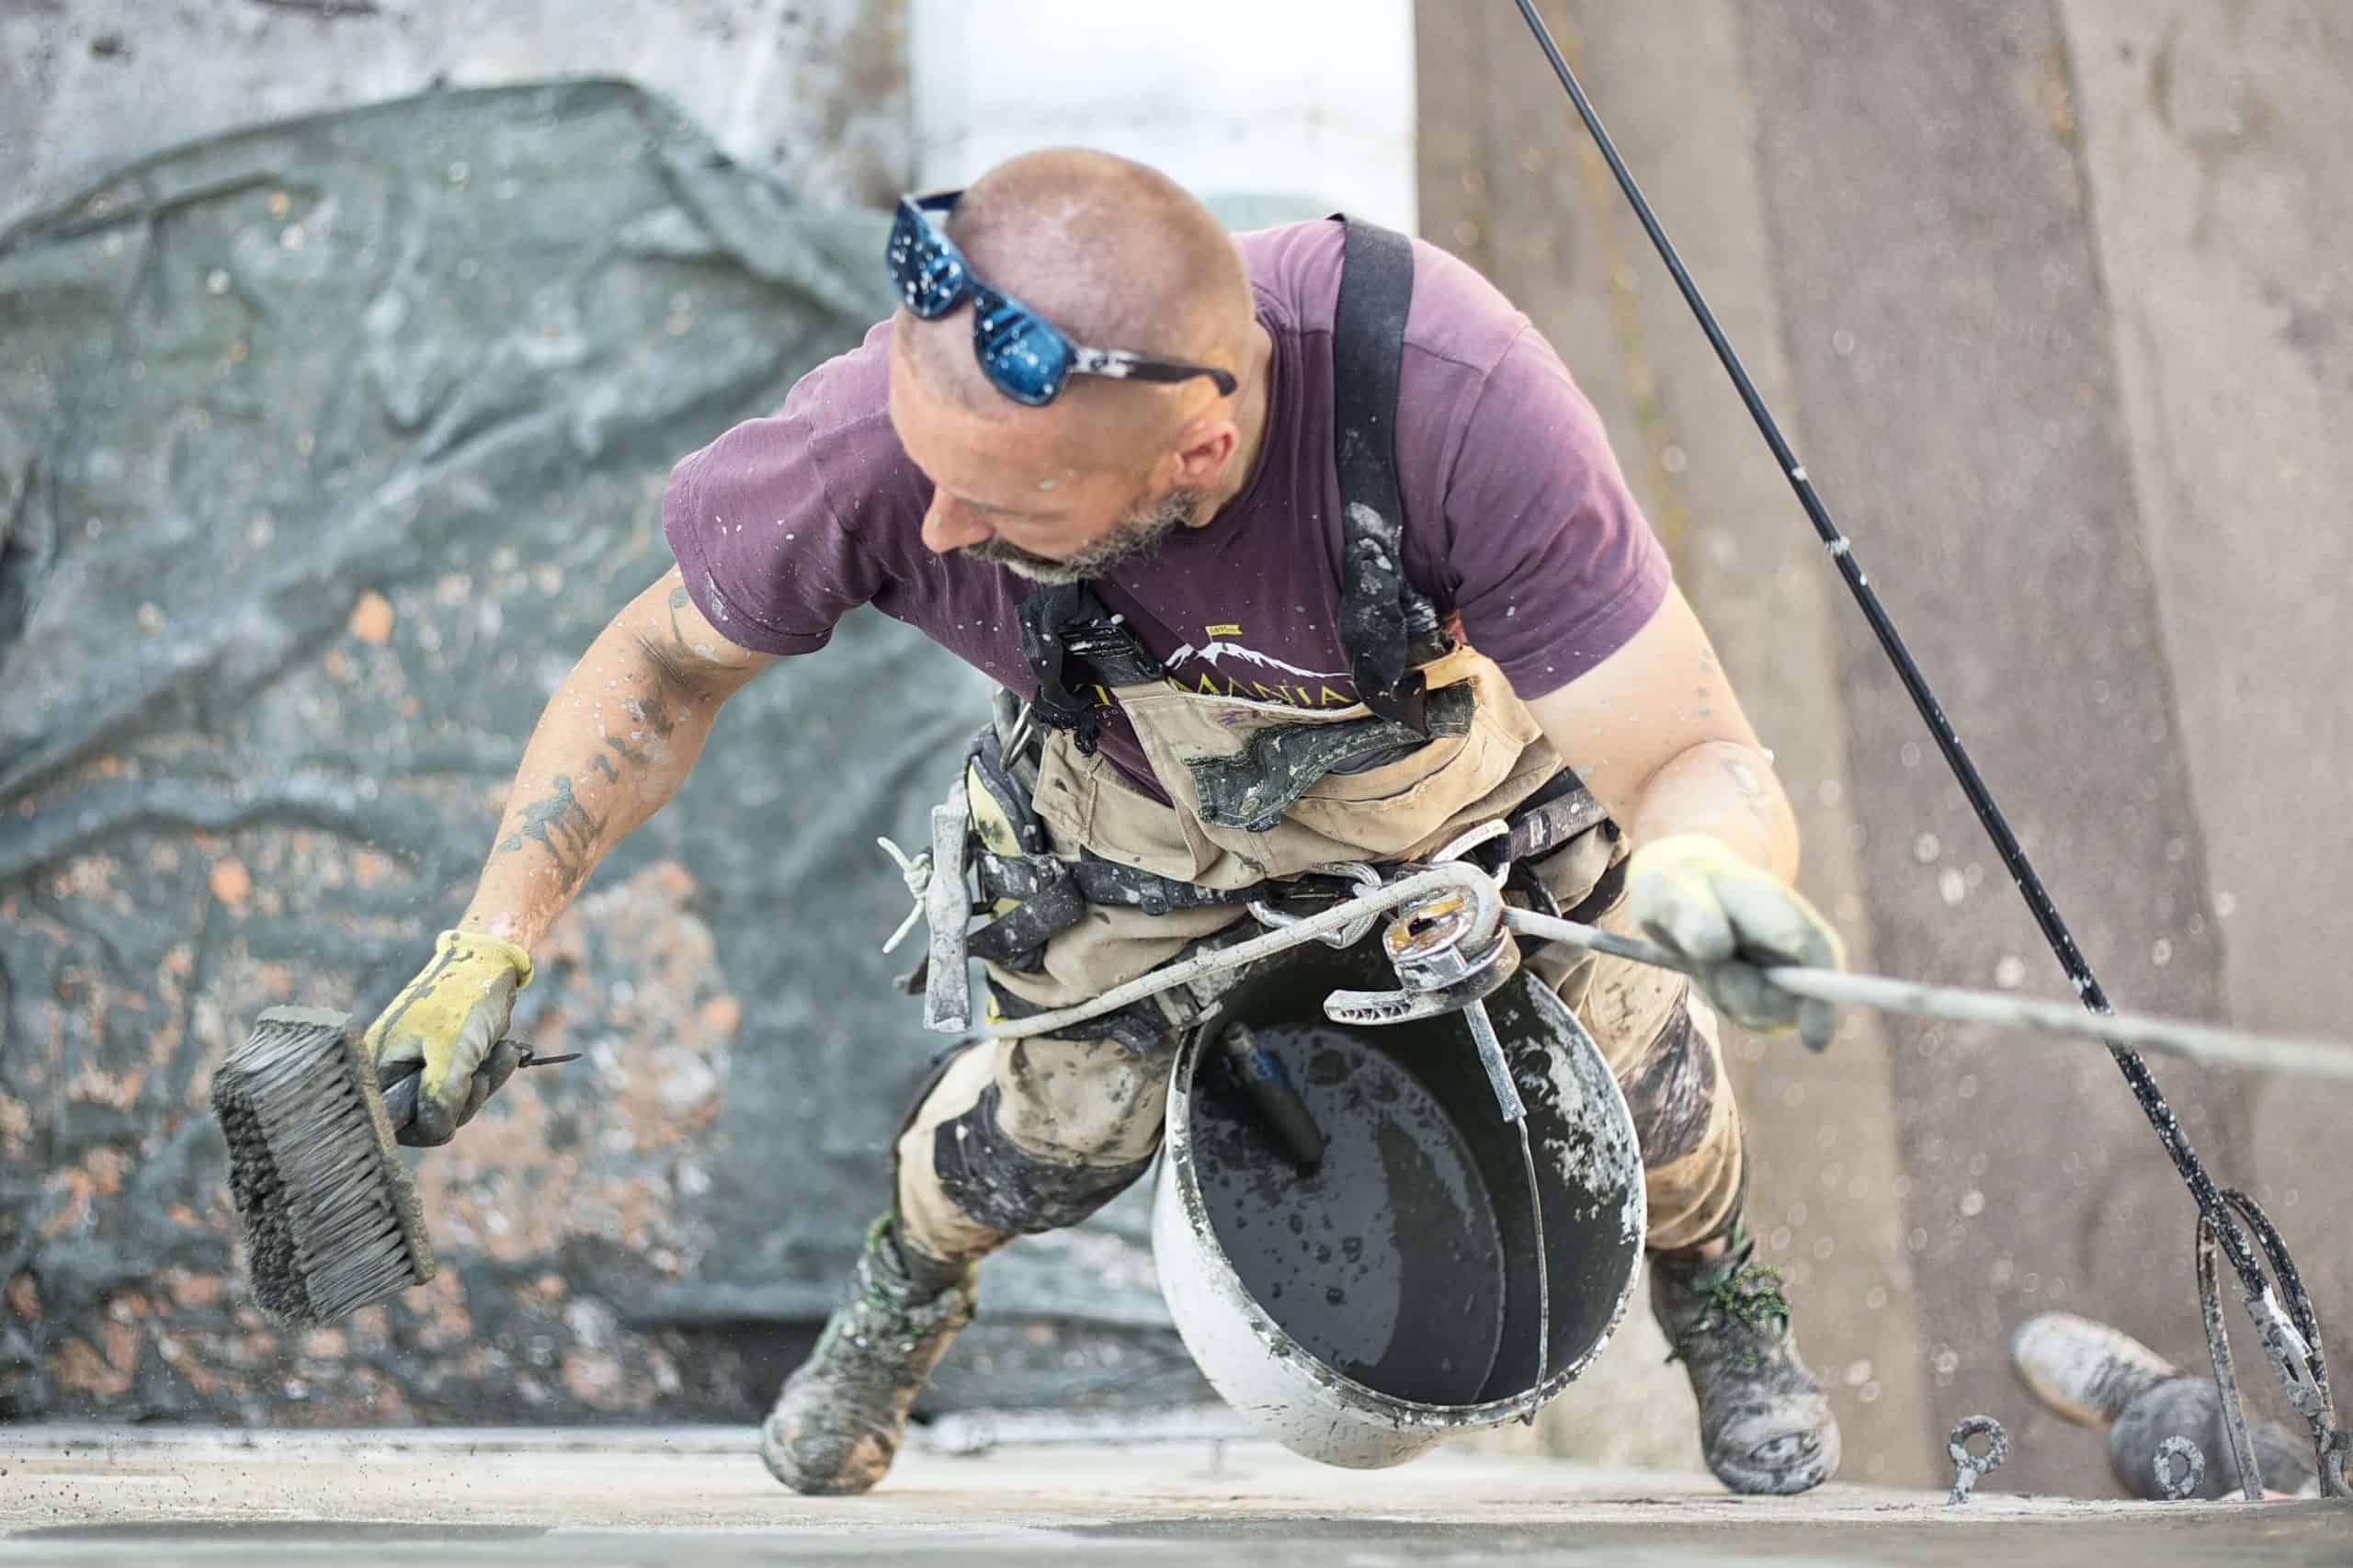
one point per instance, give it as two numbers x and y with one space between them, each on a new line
1085 805
1388 810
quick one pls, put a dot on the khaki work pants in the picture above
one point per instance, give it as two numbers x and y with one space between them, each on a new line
1021 1136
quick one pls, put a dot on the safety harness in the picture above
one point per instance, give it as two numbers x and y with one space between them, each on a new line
1388 627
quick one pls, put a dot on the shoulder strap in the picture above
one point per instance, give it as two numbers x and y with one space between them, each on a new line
1069 640
1387 625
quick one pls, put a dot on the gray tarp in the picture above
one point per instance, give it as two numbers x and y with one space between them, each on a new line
324 449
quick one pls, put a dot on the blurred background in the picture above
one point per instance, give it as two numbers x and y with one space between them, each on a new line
345 347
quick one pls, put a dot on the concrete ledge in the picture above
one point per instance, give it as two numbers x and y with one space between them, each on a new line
580 1495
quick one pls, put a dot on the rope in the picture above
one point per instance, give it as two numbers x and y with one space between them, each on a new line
2203 1042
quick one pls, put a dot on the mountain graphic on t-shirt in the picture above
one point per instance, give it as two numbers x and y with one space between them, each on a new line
1218 648
1294 686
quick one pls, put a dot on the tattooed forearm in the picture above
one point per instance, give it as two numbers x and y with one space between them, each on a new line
562 826
610 749
678 668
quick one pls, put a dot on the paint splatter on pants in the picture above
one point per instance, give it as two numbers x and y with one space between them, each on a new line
1019 1136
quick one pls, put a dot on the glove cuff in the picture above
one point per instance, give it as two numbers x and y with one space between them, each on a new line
466 944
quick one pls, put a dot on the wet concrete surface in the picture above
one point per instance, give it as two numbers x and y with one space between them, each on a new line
631 1495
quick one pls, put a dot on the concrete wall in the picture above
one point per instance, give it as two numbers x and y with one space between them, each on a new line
2052 298
1315 110
2213 140
813 89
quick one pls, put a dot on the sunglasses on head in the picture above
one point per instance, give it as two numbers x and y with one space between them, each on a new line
1023 355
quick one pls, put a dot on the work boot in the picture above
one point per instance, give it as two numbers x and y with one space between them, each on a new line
837 1421
2087 1371
1764 1423
2104 1379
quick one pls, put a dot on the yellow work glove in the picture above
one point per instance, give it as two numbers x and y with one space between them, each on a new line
1694 894
452 1018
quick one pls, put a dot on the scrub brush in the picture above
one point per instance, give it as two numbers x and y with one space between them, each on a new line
332 1221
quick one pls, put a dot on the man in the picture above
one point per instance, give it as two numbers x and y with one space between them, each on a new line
1096 456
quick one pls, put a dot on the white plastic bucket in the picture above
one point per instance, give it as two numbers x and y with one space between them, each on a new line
1331 1403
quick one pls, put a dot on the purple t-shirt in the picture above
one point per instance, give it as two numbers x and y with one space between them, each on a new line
1518 519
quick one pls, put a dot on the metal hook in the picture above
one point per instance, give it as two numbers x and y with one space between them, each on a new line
1366 878
2193 1467
1969 1469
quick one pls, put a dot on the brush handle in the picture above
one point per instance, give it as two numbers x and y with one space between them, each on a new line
400 1095
401 1090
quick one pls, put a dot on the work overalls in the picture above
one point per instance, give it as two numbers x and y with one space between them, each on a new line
1032 1134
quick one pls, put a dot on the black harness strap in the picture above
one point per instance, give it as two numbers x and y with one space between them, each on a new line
1069 640
1386 624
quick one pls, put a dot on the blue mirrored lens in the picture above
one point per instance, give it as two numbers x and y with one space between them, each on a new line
925 268
1023 357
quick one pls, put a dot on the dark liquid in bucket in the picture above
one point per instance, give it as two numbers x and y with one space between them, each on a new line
1386 1264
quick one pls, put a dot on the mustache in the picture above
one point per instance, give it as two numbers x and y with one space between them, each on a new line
1024 563
1138 534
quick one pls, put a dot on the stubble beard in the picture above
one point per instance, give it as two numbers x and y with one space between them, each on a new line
1133 537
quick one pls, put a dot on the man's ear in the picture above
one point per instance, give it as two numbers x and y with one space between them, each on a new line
1203 448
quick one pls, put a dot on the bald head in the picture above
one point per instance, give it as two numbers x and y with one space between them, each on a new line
1115 254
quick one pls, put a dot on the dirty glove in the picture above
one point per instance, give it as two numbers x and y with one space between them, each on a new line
449 1025
1693 893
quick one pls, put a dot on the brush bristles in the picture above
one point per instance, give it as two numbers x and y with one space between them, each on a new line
331 1221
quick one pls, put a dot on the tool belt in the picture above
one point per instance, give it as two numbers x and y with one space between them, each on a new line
1031 894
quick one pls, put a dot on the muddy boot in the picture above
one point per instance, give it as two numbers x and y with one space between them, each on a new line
1764 1423
2104 1379
837 1423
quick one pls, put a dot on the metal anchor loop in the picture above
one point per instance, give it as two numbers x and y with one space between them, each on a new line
1449 950
2193 1467
1969 1469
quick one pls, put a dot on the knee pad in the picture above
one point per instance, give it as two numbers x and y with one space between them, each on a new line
1671 1091
1001 1185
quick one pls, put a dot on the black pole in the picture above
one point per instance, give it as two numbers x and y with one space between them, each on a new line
1981 799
